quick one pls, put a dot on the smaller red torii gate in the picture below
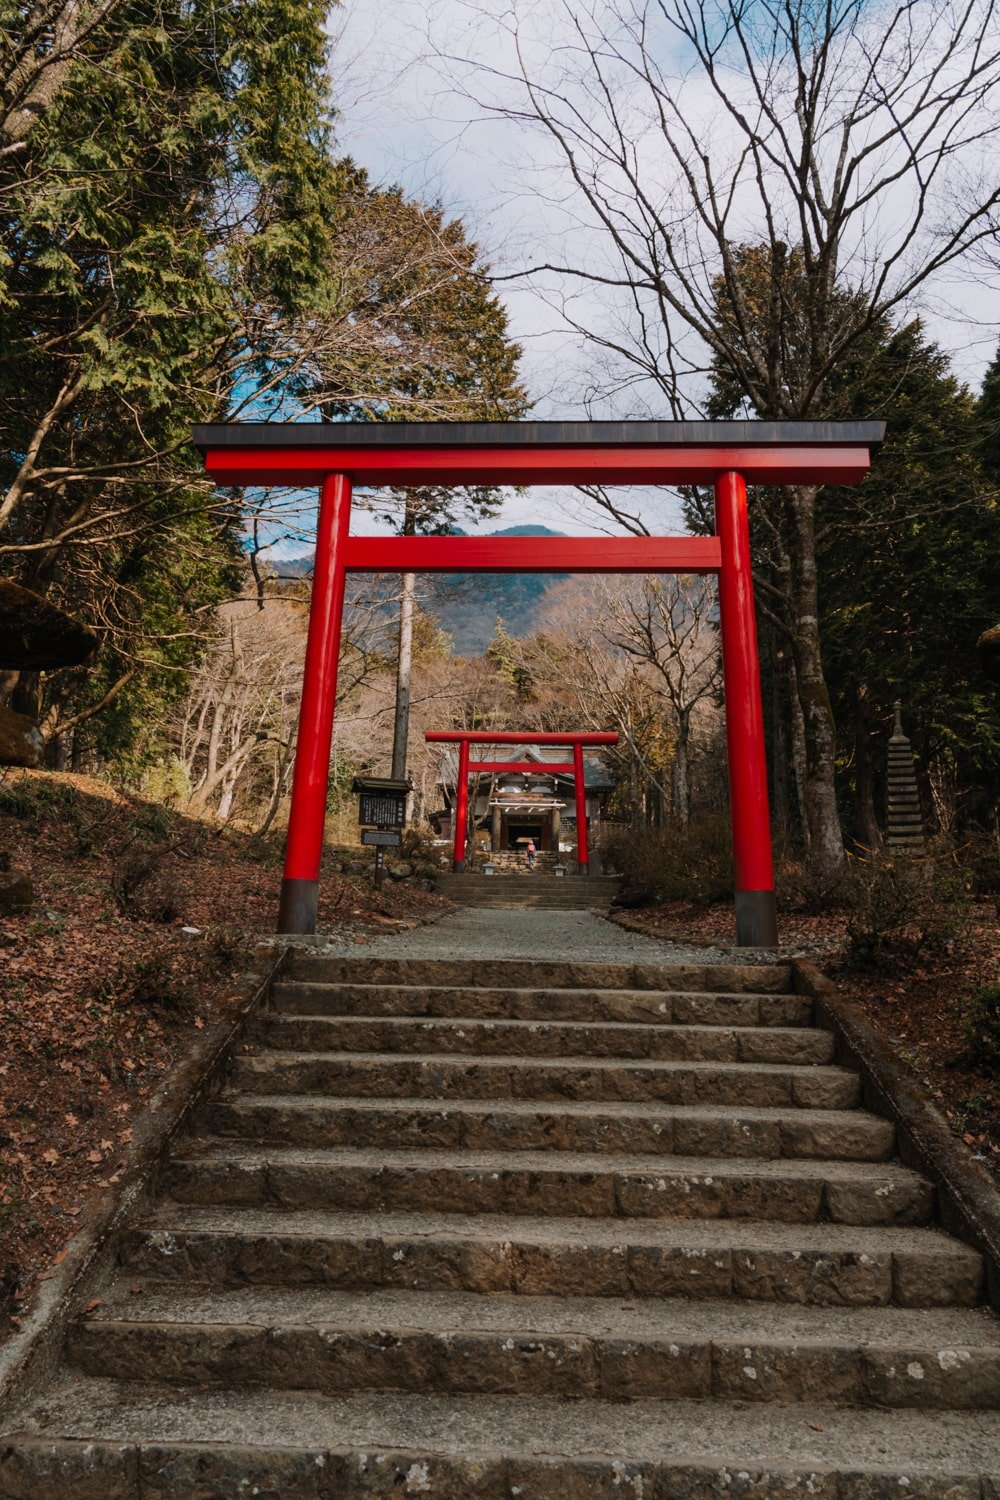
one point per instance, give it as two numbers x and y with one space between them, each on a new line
575 740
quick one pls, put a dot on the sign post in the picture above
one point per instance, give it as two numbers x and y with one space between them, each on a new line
382 807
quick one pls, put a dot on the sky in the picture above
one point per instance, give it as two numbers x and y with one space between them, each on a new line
407 116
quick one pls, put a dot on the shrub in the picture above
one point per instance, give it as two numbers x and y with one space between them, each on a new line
142 888
673 863
151 981
982 1029
35 797
804 888
980 856
167 781
902 909
16 799
223 948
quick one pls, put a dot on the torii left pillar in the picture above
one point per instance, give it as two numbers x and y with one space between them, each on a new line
304 851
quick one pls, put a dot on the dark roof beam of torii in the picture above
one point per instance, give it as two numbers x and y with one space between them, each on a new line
538 452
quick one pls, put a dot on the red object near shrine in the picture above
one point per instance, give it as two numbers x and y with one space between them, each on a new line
463 738
727 455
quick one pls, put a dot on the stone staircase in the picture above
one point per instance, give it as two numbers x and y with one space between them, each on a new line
587 1231
542 892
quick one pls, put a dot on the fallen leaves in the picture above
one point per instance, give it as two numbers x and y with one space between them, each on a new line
98 1007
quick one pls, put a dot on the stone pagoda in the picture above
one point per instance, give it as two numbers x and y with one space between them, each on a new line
904 827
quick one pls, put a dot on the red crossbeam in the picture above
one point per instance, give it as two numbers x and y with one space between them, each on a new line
527 737
533 767
532 554
795 464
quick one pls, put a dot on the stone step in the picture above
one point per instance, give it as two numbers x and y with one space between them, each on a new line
513 901
444 1076
590 1185
296 997
826 1135
748 978
581 894
601 1039
592 888
816 1264
108 1440
462 1344
521 878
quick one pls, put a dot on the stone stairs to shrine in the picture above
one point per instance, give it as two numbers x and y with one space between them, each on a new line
541 892
585 1230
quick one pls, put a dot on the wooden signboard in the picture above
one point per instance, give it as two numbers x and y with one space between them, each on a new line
387 838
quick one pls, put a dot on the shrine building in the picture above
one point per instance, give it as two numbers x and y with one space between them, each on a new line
515 806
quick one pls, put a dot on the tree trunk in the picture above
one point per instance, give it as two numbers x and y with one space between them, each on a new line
797 743
401 723
826 839
225 806
780 804
278 791
404 663
867 830
680 783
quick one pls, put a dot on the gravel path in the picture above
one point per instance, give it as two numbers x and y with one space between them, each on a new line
581 936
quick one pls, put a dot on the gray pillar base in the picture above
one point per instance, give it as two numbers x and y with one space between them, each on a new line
756 919
297 907
582 869
458 866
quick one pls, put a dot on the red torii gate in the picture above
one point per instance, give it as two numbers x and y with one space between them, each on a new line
726 455
464 738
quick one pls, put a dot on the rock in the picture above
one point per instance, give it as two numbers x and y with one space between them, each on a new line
988 646
400 871
16 894
21 743
38 636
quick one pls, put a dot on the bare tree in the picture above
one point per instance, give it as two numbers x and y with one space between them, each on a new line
854 143
641 654
235 732
668 624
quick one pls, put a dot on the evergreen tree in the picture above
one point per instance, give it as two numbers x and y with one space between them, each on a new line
909 575
907 562
167 208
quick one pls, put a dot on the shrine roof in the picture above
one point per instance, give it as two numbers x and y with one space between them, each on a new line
535 758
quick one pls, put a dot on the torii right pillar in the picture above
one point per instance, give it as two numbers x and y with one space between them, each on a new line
753 864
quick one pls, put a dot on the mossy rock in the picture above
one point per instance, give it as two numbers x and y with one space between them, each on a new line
21 743
988 647
16 894
36 636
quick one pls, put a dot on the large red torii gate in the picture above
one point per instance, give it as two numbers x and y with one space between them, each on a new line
727 455
576 740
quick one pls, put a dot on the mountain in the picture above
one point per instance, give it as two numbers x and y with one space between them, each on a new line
467 604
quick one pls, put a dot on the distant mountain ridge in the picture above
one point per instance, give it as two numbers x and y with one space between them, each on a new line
468 604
